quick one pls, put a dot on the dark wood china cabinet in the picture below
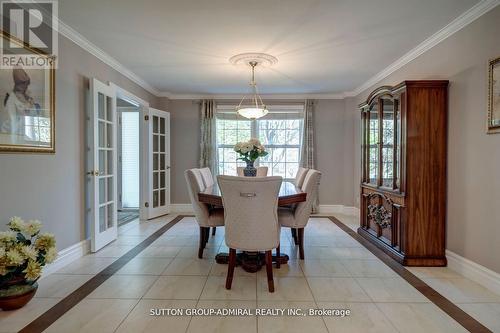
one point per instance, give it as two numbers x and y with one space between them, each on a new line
403 176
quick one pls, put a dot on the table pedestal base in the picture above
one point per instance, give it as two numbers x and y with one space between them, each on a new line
250 261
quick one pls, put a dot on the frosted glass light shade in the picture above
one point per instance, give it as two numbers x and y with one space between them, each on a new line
252 113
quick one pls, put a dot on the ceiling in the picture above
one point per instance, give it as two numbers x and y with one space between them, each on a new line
322 46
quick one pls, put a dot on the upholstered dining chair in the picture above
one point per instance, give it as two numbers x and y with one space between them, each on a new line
205 216
206 174
300 176
261 171
208 180
251 219
297 217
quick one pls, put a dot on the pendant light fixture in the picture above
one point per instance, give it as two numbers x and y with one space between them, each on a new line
254 107
257 108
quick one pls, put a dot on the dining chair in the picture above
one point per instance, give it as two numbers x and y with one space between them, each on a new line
300 176
261 171
206 174
296 218
208 180
206 216
251 219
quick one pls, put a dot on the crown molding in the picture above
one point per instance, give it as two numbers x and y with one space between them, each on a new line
454 26
264 96
469 16
90 47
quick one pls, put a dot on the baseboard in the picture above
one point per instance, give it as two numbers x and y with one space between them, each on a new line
338 209
67 256
181 208
471 270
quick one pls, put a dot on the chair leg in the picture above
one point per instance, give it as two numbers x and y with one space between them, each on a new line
213 231
278 257
202 243
230 268
207 234
301 242
269 269
294 235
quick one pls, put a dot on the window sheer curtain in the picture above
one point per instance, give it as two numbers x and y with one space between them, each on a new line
208 145
307 158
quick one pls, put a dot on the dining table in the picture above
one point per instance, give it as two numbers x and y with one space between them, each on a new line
289 195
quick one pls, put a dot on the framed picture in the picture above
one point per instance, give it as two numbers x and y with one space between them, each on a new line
27 105
494 96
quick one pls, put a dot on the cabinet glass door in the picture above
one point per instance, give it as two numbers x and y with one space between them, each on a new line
388 140
372 143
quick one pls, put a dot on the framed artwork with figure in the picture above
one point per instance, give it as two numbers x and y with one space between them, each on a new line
27 105
494 96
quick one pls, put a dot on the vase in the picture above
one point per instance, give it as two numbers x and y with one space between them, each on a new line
16 296
250 170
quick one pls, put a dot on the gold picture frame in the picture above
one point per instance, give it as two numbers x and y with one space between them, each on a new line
494 96
27 116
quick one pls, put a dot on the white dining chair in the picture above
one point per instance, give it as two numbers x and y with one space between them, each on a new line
261 171
205 216
300 176
208 178
297 217
251 219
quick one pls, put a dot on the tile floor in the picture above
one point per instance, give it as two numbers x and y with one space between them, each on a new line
338 273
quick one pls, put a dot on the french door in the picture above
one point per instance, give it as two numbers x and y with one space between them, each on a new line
158 174
102 165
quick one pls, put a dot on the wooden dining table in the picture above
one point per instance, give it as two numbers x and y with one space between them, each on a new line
289 195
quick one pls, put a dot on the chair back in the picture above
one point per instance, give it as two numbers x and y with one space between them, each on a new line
261 171
301 175
250 212
195 185
206 174
310 186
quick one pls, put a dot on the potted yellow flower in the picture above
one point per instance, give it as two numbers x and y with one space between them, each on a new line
23 253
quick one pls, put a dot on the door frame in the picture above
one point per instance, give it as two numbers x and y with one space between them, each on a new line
143 107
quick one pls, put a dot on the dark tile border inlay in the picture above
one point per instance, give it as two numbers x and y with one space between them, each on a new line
452 310
51 315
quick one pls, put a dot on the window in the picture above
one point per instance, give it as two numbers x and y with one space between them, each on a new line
280 131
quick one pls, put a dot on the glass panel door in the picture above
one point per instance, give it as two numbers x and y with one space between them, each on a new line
103 154
388 139
159 189
372 142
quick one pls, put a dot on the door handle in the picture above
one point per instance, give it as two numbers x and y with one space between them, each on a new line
93 173
167 167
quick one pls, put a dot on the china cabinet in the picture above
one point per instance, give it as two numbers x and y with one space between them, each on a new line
403 176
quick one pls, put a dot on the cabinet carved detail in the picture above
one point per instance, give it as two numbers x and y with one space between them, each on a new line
377 211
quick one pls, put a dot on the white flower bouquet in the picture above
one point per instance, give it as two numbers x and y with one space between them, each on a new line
24 251
250 151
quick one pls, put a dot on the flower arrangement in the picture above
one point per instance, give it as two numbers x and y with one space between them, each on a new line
250 151
24 251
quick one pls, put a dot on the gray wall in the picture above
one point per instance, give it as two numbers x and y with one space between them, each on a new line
473 222
51 187
184 144
333 137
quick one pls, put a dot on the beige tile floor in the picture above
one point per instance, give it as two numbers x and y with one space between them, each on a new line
338 273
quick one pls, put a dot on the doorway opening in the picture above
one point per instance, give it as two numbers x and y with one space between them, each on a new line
128 152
